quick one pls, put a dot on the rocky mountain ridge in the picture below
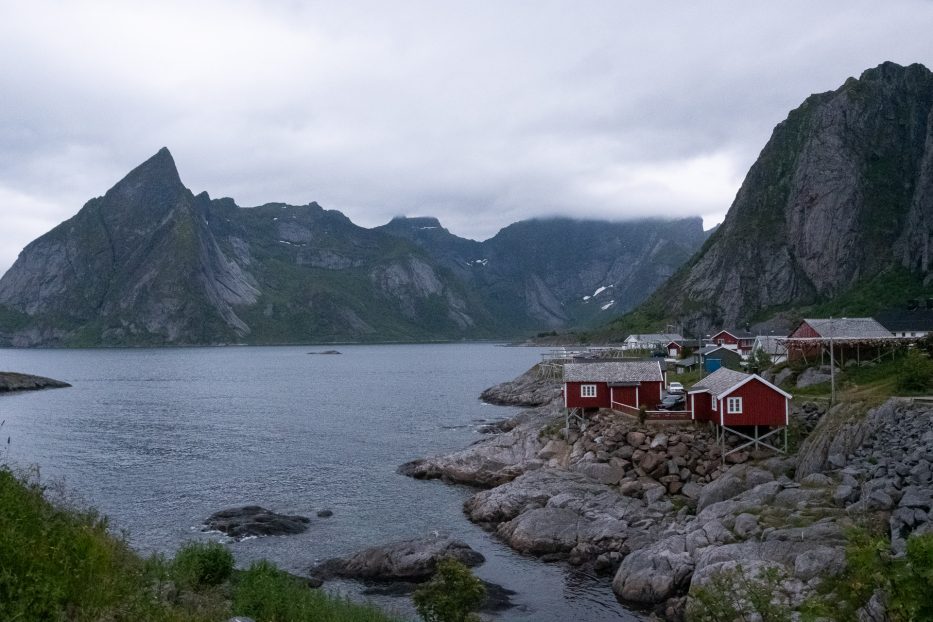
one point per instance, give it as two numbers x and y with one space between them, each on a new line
151 263
840 198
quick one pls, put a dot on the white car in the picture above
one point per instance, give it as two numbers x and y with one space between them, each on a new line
675 388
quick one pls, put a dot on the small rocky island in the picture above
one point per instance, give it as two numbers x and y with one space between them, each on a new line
12 381
253 521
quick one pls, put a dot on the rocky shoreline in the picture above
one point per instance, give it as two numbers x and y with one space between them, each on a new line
656 508
12 381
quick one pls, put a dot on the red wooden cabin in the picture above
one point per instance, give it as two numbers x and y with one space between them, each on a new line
735 339
613 384
731 399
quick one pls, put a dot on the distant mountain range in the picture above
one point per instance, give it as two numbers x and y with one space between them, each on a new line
150 263
835 216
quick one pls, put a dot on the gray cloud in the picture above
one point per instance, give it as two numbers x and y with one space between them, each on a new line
478 113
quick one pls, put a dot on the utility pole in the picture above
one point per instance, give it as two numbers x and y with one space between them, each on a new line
832 366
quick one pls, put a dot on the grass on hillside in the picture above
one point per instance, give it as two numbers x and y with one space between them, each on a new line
58 563
908 373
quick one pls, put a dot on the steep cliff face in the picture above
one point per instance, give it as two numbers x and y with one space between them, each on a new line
842 192
559 272
138 263
150 263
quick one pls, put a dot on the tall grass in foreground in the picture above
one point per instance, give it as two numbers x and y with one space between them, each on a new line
59 564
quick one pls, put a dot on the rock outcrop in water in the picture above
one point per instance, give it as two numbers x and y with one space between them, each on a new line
11 381
254 521
529 389
405 560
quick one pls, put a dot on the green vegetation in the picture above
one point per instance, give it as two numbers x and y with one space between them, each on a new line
737 594
916 375
268 594
451 596
202 564
59 563
906 582
904 372
889 288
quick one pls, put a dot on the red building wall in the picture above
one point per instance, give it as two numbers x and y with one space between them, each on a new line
702 407
573 399
724 338
649 394
796 351
761 405
805 331
625 395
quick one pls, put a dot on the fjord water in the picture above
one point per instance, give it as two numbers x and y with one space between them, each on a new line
158 439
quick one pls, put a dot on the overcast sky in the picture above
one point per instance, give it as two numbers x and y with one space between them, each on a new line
479 112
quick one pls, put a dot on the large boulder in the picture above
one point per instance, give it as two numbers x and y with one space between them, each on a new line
529 389
810 377
254 521
654 574
405 560
492 461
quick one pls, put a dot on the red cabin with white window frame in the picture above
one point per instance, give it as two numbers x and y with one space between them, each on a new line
739 340
618 385
731 399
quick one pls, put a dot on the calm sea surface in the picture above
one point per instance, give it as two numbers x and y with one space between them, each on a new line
159 439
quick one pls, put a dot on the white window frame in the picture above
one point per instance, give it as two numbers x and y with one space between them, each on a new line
715 404
587 390
734 406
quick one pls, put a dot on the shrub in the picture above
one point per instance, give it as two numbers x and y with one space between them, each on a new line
199 565
916 374
451 596
737 594
907 581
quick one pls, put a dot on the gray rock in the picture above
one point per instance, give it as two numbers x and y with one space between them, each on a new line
782 376
601 472
404 560
816 480
721 489
880 500
820 561
746 525
527 390
691 490
493 461
810 377
10 382
916 497
654 574
253 520
844 494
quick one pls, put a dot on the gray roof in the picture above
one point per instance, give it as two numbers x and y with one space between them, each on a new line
850 328
616 371
720 381
771 345
664 338
738 334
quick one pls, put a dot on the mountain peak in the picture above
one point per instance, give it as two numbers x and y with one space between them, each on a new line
414 222
155 179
